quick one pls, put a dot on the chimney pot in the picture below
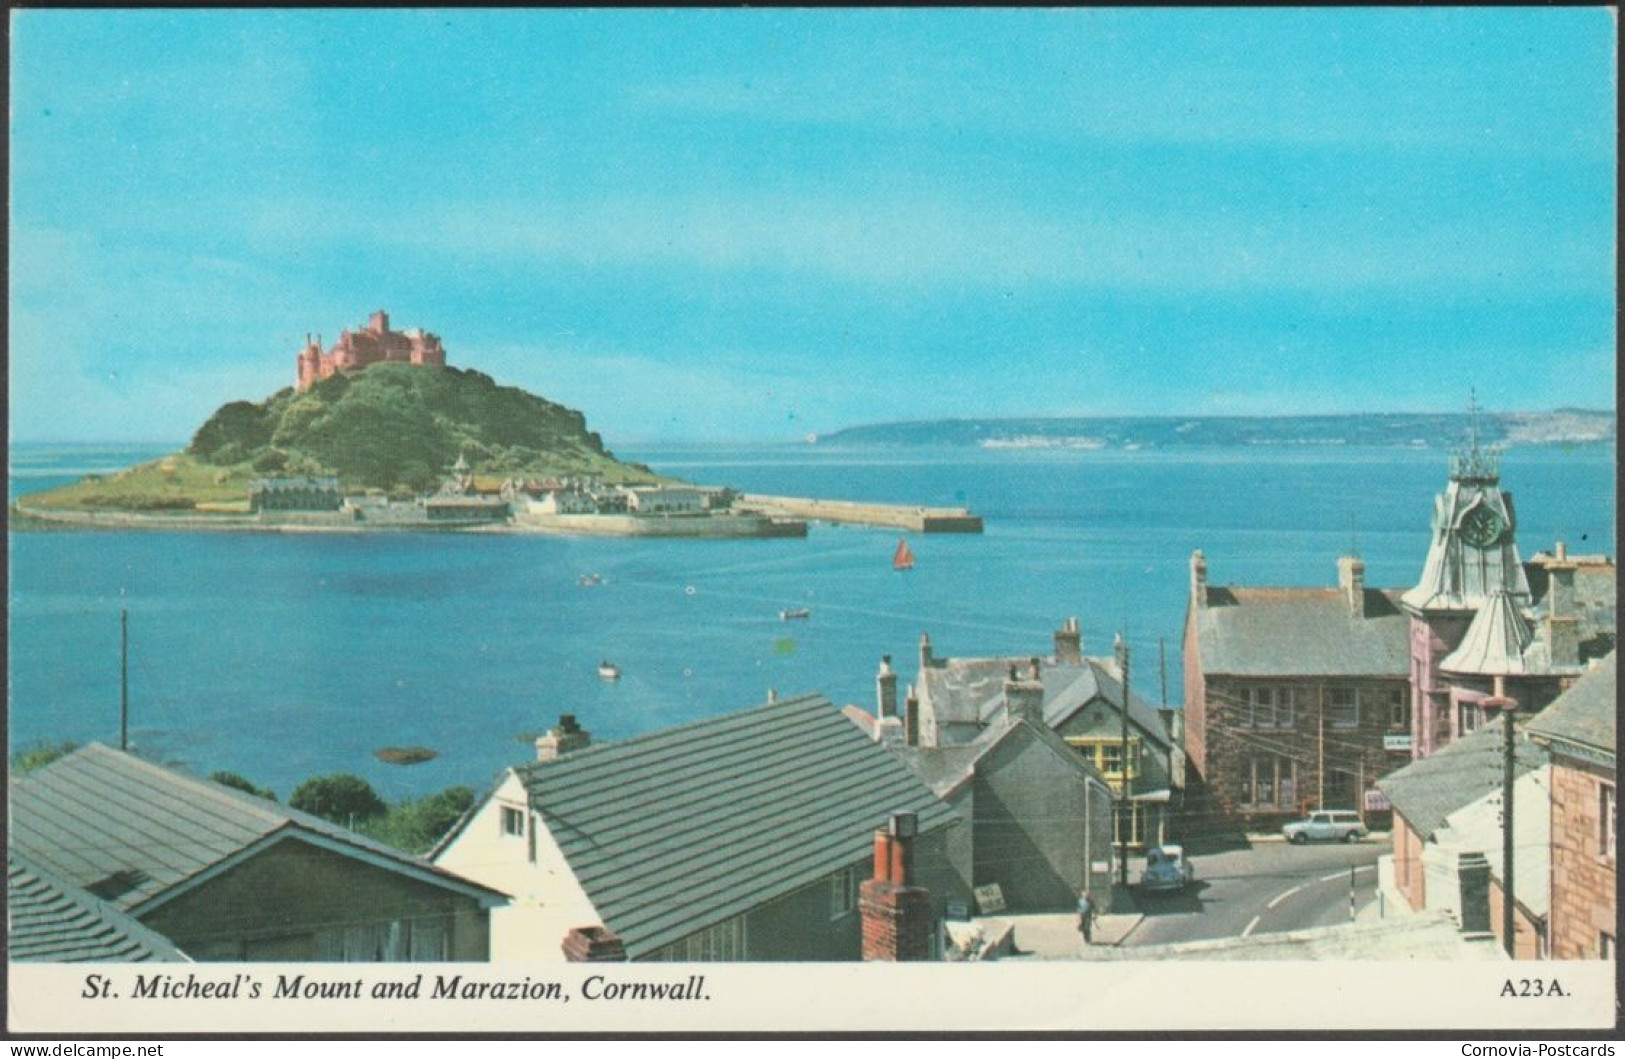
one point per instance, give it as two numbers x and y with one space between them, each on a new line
1562 551
886 689
925 650
1199 579
1069 643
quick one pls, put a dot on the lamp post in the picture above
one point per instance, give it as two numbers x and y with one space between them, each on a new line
1509 710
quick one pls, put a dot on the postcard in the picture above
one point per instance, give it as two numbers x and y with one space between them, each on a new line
722 521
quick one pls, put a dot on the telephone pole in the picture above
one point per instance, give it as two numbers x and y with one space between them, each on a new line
1120 648
1509 921
124 678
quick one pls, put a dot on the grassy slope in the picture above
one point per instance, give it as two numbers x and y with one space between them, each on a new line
391 427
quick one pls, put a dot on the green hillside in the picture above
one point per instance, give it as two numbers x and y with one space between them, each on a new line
392 427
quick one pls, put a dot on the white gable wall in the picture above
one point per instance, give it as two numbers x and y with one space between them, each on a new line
548 900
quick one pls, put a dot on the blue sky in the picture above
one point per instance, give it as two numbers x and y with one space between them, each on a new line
718 225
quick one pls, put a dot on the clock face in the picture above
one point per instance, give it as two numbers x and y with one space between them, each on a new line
1481 527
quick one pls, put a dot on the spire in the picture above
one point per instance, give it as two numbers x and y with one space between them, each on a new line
1474 464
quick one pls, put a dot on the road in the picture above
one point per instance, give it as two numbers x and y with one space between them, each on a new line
1271 887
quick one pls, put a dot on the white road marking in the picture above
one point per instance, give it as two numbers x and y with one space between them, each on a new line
1342 874
1251 925
1282 897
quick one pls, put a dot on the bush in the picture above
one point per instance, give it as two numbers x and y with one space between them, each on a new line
240 783
342 798
37 757
414 826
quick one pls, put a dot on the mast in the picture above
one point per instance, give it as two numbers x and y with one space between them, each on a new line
124 678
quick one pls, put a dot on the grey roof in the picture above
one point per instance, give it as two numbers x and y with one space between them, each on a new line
676 831
1288 632
1584 715
109 822
945 768
53 921
971 690
1496 642
1428 790
1455 575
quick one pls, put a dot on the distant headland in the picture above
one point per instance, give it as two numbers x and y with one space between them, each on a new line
1565 426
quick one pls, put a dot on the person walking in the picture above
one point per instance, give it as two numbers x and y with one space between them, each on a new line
1086 918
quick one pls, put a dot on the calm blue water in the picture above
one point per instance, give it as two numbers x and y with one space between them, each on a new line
284 656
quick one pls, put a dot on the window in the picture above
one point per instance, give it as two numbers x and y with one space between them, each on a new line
513 821
1343 707
725 941
843 893
1605 945
1136 825
1269 781
1269 707
1388 703
1471 717
1106 755
1605 819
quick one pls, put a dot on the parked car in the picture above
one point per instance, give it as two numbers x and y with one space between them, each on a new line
1328 825
1166 868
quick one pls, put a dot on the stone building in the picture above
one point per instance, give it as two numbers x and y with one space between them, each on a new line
1579 731
372 344
955 701
1293 696
1035 816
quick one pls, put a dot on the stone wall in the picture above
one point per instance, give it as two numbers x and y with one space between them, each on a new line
1582 876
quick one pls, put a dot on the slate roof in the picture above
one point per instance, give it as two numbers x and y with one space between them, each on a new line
945 768
679 830
972 689
1428 790
52 921
131 831
1293 632
1584 715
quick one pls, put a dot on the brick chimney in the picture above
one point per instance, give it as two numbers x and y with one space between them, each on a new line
911 718
562 739
926 658
1069 643
886 689
1024 695
1198 579
897 920
593 945
1351 579
1562 616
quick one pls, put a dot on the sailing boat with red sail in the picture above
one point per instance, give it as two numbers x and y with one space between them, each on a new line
903 559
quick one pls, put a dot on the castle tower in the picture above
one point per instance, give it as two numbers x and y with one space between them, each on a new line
1472 556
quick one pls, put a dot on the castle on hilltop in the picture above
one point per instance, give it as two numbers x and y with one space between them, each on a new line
375 344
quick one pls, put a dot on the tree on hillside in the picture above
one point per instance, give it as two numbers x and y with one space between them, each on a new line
342 798
241 783
36 757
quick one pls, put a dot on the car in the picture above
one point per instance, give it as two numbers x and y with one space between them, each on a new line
1166 869
1326 825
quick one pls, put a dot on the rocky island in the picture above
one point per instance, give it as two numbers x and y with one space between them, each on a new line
380 433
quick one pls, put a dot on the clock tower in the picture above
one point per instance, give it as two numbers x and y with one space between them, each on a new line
1472 557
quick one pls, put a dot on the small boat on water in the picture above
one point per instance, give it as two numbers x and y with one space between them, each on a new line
903 559
588 580
609 670
795 614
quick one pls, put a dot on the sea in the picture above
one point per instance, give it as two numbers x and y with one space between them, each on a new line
283 656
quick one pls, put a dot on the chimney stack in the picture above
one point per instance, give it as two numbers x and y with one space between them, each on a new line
911 718
897 920
1351 579
1024 696
561 740
593 945
1198 579
1069 643
1562 617
885 689
926 657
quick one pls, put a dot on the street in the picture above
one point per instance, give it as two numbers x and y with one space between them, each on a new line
1271 887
